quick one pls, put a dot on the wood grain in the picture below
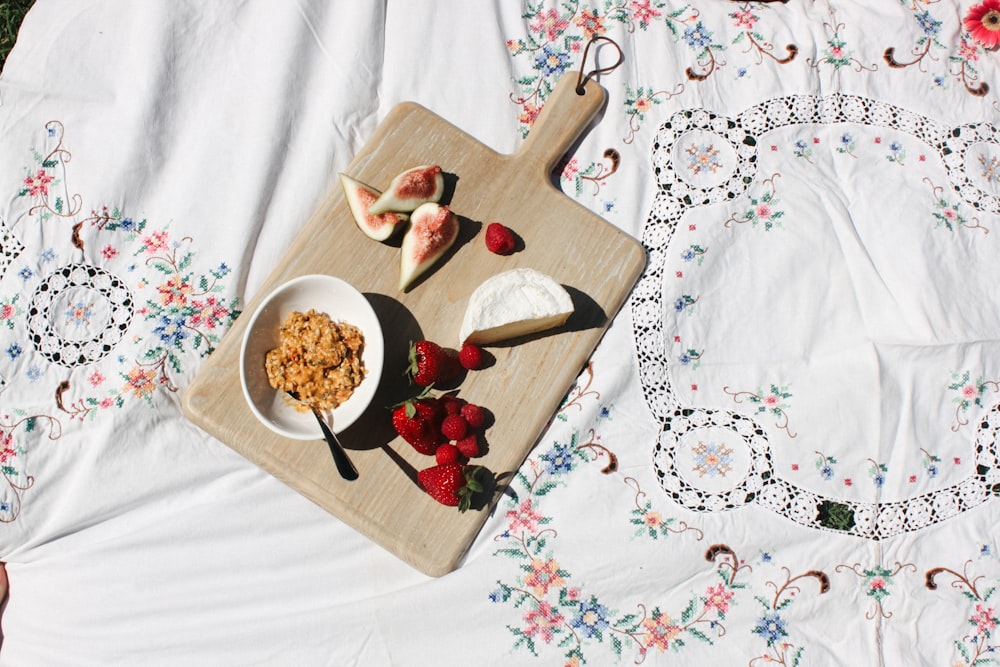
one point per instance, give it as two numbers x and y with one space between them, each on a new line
596 262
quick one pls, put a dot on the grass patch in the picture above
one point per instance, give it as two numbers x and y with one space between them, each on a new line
11 14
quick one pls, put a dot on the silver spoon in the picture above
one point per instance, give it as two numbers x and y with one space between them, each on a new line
344 465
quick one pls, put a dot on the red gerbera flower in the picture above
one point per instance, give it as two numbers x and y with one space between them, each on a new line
983 22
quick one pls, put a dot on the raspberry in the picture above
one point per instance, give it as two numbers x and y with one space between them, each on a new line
451 404
454 427
447 453
468 446
471 357
474 415
499 239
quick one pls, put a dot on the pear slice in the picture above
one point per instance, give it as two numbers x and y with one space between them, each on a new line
360 197
410 189
514 303
433 229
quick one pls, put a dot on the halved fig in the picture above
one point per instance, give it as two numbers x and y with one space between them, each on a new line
410 189
433 229
360 197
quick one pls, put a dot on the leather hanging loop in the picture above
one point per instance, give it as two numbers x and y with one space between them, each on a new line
582 78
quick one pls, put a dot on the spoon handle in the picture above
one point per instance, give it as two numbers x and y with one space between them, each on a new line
344 465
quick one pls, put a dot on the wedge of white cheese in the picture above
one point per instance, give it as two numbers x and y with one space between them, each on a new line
514 303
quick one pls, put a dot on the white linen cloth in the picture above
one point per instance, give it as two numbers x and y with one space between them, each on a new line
160 156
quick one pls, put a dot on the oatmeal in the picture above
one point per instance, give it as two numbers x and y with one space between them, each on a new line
318 359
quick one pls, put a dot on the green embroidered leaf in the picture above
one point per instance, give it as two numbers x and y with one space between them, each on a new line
698 634
688 612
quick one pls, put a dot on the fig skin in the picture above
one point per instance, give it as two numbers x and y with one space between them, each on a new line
432 231
360 196
410 189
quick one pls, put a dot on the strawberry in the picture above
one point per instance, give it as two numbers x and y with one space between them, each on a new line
454 427
471 357
468 446
451 484
447 453
499 239
418 422
474 415
431 364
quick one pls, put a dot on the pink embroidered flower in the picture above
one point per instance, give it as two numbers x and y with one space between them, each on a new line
764 211
523 518
107 403
642 12
6 311
660 631
744 18
141 381
208 313
155 242
571 169
6 454
573 593
95 379
548 23
591 23
542 621
983 22
967 51
543 575
718 597
876 585
983 619
38 184
771 400
969 391
109 252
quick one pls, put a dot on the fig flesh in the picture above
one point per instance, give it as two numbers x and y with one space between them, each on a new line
432 231
360 197
410 189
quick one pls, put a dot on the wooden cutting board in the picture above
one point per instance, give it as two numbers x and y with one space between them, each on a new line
597 263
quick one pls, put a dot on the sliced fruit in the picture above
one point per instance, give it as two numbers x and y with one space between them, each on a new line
514 303
360 197
410 189
433 229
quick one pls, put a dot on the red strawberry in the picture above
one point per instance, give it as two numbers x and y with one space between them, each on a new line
451 484
454 427
468 446
418 422
499 239
447 453
474 415
431 364
471 357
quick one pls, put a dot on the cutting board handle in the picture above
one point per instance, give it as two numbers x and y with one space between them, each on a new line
561 121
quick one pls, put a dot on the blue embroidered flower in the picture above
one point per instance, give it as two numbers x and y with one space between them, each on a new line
127 224
551 61
559 459
14 351
591 619
33 373
697 36
688 254
771 627
826 472
679 304
171 330
26 273
928 23
684 359
48 255
932 470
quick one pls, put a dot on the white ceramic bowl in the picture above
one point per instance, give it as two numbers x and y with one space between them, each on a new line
342 302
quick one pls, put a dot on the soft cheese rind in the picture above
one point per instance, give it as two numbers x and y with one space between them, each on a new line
514 303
